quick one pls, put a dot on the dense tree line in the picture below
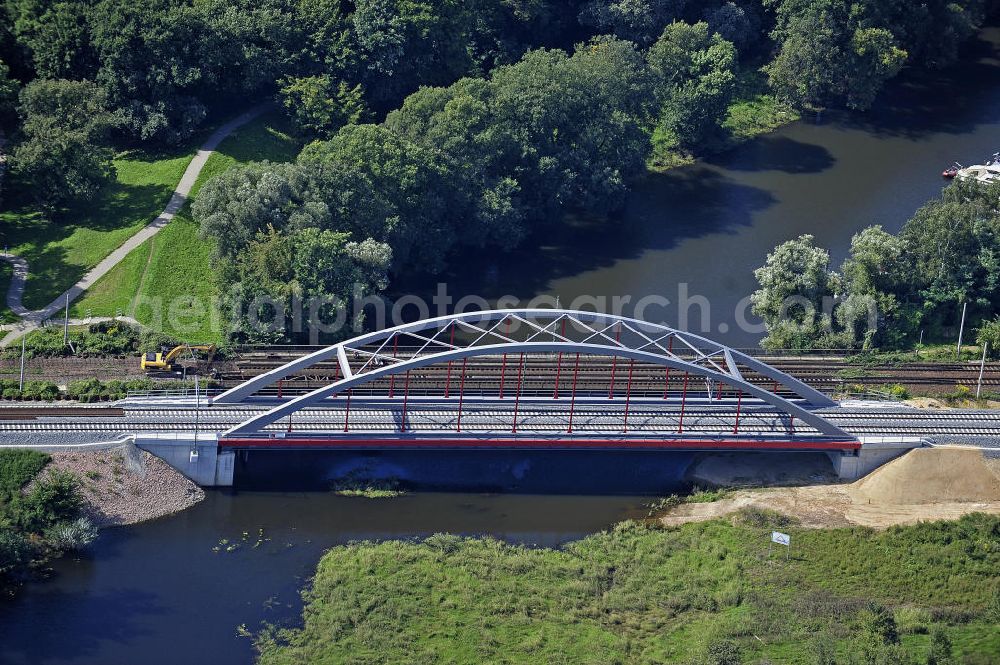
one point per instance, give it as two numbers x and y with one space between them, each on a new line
439 123
890 287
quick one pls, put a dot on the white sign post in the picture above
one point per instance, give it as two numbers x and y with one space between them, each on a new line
781 539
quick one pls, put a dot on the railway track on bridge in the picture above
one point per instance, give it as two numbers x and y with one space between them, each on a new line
497 417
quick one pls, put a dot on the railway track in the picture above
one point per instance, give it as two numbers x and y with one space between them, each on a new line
490 417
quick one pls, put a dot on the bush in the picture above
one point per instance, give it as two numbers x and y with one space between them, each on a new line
40 390
52 500
72 535
989 333
912 620
17 468
85 390
897 390
15 551
762 518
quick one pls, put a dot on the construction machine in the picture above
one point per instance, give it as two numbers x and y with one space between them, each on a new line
164 362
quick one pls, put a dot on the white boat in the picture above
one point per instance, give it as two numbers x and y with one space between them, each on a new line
984 173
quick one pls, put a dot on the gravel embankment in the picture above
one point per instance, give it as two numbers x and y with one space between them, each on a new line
126 485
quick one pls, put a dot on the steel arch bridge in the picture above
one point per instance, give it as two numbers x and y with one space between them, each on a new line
538 377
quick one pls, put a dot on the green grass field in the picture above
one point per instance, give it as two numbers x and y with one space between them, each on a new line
646 594
167 283
61 251
6 316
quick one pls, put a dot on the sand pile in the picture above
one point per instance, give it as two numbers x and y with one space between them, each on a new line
932 475
924 484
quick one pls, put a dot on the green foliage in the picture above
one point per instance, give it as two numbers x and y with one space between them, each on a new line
109 338
989 333
321 105
53 499
64 155
695 79
17 467
71 535
700 593
640 21
890 287
43 522
8 96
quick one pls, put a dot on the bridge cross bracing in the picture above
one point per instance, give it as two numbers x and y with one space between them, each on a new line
538 372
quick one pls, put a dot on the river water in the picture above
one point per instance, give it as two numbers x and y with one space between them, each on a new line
709 225
159 593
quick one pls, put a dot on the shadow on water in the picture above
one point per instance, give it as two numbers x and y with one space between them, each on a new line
775 153
662 211
950 101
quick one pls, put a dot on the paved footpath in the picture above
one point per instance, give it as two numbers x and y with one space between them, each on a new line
31 320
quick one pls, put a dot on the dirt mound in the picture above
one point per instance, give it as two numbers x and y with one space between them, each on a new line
931 475
757 469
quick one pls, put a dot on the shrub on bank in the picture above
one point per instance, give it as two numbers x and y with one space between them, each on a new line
40 524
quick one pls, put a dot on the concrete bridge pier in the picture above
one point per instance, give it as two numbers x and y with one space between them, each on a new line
874 452
200 459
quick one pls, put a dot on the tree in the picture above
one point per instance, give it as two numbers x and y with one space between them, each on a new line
989 333
320 105
872 306
57 36
826 57
940 652
408 43
878 638
578 123
639 21
736 23
64 155
795 295
695 81
8 96
376 184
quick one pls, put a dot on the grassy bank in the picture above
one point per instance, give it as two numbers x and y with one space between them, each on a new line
167 282
60 250
700 593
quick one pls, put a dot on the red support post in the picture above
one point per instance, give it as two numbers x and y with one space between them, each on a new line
279 387
347 411
461 396
719 394
447 383
684 394
739 403
406 396
517 396
555 395
572 402
628 393
392 377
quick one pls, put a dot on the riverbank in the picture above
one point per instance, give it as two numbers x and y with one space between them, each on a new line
643 593
925 484
125 485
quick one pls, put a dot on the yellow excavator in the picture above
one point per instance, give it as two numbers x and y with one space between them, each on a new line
164 362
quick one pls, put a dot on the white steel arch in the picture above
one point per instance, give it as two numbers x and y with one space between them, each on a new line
538 331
